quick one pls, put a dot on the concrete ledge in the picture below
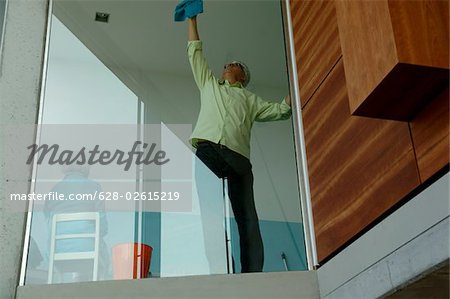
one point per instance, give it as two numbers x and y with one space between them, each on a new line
295 284
412 239
403 266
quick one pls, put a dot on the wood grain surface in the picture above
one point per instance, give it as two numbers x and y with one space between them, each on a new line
430 133
404 92
368 46
316 41
396 55
421 30
358 167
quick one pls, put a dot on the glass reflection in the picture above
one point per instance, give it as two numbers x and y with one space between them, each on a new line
79 90
147 84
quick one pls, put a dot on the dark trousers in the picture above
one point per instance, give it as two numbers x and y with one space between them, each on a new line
238 170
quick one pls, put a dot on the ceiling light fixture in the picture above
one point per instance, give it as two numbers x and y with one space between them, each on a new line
102 17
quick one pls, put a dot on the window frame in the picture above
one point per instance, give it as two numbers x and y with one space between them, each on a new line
3 3
299 140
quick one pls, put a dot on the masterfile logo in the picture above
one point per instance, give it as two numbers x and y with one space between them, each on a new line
119 165
94 156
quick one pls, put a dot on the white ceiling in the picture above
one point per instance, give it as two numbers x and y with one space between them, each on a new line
141 36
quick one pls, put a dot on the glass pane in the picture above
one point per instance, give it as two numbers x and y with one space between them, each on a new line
277 199
190 242
194 243
79 90
134 70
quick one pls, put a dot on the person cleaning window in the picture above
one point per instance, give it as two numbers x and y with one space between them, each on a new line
221 136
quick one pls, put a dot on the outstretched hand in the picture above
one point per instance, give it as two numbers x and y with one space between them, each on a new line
287 99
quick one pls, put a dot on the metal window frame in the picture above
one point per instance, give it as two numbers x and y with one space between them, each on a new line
2 36
299 139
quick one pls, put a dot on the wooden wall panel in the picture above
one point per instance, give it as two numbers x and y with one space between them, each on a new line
421 30
395 54
430 133
316 43
358 167
368 46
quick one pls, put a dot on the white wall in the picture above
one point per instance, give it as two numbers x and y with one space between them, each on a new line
19 94
80 89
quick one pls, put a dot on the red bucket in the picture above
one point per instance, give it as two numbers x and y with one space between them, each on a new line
128 257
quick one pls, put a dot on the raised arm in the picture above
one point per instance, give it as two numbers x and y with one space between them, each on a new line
200 69
192 29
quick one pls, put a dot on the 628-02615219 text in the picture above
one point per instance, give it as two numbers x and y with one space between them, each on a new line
99 195
152 195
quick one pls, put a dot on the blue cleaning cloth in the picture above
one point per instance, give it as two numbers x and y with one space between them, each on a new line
188 9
